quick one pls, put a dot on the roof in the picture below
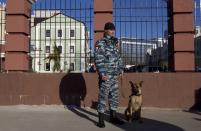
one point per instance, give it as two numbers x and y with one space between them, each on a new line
41 19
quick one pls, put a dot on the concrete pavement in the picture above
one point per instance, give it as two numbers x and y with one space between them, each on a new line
58 118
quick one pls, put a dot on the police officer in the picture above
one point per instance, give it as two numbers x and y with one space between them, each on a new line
109 66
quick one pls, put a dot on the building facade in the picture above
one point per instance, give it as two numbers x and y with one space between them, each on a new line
69 35
198 48
159 55
141 53
134 51
2 36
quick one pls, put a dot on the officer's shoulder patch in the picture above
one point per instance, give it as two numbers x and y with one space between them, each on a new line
99 43
98 46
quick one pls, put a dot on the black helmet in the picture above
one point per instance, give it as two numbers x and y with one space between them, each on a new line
109 26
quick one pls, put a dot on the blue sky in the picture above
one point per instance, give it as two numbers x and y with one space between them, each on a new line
3 1
79 9
144 19
139 20
197 12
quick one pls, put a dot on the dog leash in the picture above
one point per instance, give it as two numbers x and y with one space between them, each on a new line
121 88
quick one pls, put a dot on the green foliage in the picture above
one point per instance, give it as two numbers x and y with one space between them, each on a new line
55 57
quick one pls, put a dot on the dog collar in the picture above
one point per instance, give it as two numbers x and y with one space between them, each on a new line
137 95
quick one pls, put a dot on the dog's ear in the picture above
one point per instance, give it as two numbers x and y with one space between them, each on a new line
132 84
141 82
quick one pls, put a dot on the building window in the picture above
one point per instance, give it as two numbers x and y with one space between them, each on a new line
47 33
47 49
71 49
59 33
72 33
47 66
60 49
72 66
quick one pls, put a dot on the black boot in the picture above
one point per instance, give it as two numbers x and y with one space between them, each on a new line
101 122
114 119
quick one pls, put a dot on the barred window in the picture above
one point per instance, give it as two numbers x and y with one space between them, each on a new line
47 66
60 49
47 33
47 49
72 33
72 66
59 33
71 49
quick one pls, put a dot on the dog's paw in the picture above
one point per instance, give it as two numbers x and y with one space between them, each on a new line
127 118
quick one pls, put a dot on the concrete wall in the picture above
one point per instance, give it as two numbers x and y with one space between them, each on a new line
166 90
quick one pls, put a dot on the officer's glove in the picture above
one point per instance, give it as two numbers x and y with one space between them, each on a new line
121 73
105 78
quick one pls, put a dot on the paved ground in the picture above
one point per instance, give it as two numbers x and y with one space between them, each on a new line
57 118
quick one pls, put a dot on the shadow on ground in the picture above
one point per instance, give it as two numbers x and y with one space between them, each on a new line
73 92
197 103
147 125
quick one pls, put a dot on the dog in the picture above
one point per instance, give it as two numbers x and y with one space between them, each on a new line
133 111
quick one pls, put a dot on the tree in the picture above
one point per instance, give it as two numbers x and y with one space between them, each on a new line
55 56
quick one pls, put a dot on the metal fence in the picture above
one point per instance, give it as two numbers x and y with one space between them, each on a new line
197 14
142 28
61 35
2 35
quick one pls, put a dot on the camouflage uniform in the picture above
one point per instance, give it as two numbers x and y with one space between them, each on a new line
108 63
